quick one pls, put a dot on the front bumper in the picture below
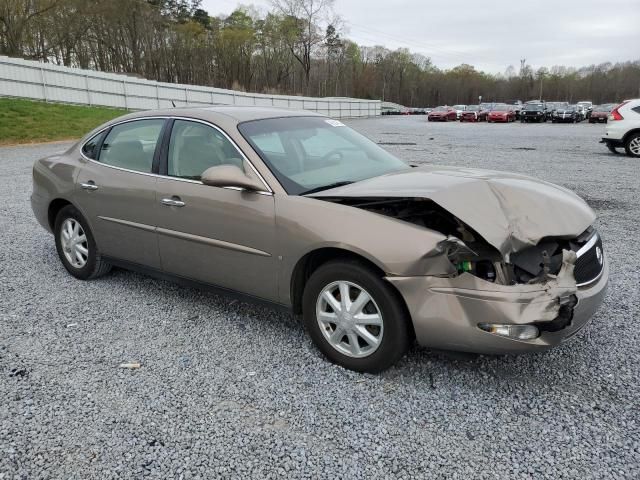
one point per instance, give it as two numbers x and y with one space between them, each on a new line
559 119
446 312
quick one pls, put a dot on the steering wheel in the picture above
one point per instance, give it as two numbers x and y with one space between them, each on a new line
336 151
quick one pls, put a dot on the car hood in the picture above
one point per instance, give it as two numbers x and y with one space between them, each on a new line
510 211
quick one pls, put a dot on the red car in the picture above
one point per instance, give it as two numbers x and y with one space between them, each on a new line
502 113
442 114
474 113
600 113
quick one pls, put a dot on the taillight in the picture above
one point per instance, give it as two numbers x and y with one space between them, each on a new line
615 114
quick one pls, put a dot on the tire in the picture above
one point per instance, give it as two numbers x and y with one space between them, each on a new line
394 335
88 266
632 145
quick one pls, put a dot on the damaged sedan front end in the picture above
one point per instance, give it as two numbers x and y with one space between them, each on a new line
525 269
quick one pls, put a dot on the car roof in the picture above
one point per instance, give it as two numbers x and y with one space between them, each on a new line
231 112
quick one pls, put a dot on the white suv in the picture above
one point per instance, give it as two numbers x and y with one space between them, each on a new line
623 128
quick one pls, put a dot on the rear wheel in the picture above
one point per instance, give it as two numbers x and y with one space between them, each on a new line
354 317
632 145
76 246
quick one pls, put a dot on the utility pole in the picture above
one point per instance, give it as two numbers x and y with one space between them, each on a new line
541 80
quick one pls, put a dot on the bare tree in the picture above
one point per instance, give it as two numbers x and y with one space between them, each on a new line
302 28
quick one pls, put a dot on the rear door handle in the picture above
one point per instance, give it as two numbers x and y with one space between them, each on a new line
172 202
89 186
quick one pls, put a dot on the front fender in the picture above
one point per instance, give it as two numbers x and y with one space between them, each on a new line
398 248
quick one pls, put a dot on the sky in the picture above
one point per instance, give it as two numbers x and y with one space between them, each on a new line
489 34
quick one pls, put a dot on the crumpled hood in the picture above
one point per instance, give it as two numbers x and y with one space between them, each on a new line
510 211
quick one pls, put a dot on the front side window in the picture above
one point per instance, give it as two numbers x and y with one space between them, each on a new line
90 149
194 147
132 145
315 152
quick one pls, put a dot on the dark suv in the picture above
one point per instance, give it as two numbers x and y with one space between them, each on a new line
533 112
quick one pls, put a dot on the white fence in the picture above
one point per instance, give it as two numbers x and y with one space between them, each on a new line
43 81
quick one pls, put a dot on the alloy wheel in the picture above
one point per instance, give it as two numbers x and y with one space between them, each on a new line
634 145
74 243
349 319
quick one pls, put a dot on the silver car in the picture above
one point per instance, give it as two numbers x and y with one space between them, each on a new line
299 211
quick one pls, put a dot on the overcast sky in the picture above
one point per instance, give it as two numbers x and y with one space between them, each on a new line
491 34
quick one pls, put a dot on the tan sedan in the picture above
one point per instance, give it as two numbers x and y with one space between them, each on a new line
302 212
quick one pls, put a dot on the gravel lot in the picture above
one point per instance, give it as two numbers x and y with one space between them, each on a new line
237 391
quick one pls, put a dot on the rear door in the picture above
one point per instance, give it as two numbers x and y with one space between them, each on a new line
117 190
221 236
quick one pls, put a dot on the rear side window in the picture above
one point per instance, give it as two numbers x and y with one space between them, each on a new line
90 149
636 109
132 145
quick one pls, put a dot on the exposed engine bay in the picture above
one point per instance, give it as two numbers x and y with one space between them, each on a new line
467 250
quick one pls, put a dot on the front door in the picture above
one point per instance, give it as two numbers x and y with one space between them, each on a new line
221 236
117 193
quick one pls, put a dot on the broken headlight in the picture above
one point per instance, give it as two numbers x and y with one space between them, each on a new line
467 260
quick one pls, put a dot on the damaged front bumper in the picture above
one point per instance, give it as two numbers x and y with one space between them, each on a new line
446 312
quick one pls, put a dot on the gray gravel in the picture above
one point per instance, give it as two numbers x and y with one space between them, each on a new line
237 391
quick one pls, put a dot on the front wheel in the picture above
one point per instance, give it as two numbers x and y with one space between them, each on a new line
632 145
76 246
355 318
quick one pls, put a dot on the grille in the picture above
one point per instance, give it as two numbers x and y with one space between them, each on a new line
590 263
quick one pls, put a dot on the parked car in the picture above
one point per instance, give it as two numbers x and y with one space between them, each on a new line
600 113
296 210
587 106
442 114
623 128
459 109
567 114
533 112
501 112
474 113
517 107
582 112
551 107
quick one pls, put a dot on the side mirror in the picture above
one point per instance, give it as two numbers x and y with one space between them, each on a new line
230 176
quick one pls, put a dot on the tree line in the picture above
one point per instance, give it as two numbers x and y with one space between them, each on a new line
297 47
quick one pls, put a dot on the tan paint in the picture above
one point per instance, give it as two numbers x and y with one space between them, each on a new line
252 242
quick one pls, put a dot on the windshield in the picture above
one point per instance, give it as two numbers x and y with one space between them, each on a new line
440 109
473 108
501 107
309 153
459 107
603 108
533 107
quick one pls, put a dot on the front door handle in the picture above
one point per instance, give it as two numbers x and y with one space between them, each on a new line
172 202
89 185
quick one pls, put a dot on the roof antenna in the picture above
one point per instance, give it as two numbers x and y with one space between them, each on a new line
173 103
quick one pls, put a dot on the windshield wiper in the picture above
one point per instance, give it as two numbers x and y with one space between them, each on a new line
327 187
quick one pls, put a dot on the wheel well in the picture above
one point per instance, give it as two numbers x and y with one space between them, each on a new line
312 261
54 207
629 133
